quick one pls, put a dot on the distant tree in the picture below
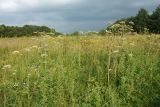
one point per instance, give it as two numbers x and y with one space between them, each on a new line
2 30
26 30
102 32
154 21
141 20
75 33
58 33
52 30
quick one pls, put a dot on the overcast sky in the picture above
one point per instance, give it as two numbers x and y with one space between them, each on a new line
70 15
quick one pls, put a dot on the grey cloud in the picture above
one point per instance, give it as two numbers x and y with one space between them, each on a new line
80 15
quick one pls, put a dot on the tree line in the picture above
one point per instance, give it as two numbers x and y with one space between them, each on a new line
143 21
26 30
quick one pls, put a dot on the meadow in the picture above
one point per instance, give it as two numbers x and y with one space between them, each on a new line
80 71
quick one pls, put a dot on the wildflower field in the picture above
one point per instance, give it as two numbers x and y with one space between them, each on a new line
80 71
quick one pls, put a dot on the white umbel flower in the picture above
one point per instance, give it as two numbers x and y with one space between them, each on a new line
130 55
6 66
15 52
27 49
34 47
116 51
44 55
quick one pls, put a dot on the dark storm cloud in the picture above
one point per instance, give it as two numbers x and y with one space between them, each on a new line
70 15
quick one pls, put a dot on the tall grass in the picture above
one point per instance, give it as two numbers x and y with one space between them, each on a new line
80 71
